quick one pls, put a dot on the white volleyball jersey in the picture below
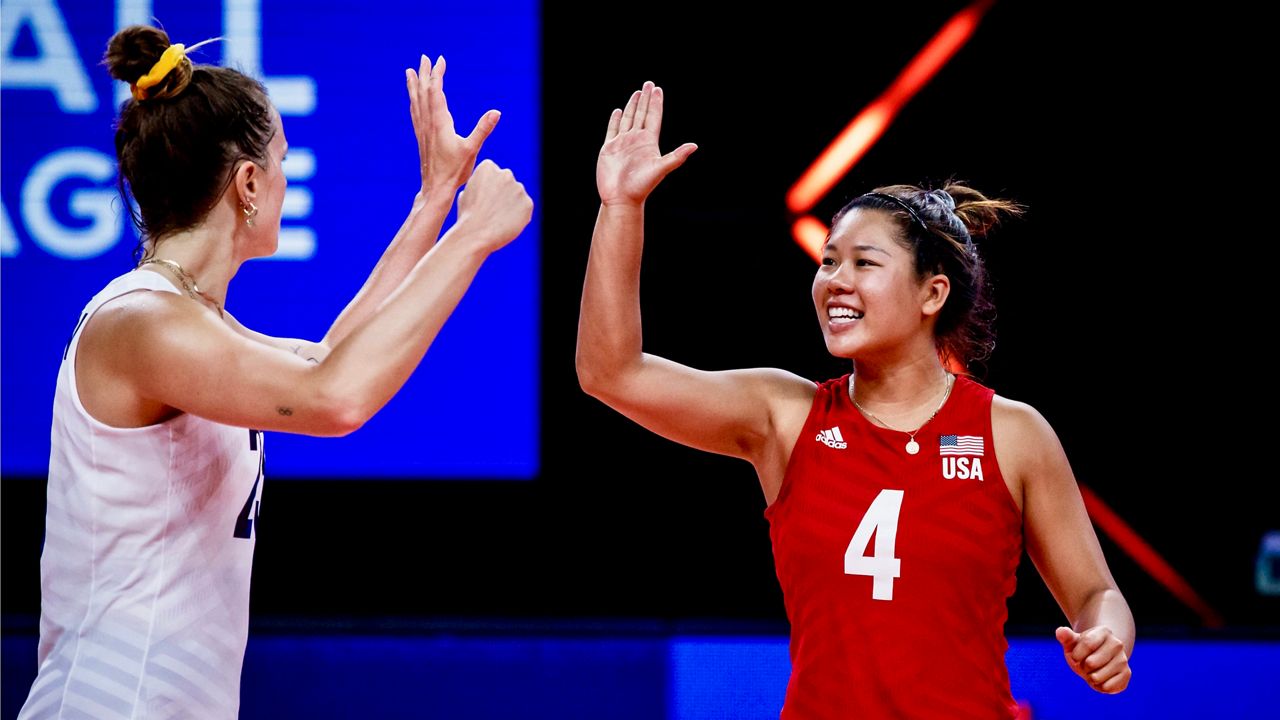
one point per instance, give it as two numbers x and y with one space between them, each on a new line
149 536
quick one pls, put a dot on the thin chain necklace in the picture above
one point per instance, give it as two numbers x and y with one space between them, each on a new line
913 447
188 282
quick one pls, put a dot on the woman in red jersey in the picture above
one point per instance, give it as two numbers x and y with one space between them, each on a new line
900 495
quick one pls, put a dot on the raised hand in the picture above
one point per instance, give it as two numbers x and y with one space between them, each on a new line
630 165
494 208
447 159
1098 656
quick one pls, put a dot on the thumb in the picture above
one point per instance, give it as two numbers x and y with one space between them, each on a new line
676 158
484 126
1067 637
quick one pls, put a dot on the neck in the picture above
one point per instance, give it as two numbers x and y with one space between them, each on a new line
899 388
204 253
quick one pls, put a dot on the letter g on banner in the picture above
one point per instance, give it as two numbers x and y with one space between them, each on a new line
93 204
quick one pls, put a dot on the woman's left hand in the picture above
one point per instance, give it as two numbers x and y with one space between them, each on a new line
447 159
1098 656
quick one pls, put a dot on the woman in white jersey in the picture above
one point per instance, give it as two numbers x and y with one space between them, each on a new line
155 470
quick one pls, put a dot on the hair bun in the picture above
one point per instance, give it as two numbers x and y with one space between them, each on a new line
132 51
943 198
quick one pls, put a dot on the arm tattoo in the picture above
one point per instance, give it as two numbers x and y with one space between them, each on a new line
297 350
284 410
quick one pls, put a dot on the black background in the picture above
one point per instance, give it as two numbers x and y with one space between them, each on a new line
1130 300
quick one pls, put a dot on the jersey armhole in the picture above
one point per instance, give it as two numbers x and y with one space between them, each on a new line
73 354
809 422
995 457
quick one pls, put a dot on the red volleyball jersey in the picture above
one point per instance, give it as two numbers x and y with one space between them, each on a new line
895 568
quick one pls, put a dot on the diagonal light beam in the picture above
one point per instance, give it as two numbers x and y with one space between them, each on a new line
870 124
1147 558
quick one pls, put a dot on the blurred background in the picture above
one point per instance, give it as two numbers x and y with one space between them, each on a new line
496 543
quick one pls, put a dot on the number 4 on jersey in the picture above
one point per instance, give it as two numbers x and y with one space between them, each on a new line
882 519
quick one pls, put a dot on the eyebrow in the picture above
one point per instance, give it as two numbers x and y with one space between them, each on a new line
829 246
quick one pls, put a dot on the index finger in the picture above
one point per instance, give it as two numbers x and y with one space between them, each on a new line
437 73
411 80
615 121
1086 644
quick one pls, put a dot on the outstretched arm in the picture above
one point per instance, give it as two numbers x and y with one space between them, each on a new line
177 353
730 412
447 160
1064 548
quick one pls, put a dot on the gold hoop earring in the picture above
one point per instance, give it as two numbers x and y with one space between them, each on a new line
249 213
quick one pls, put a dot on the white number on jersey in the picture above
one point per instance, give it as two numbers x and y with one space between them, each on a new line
882 519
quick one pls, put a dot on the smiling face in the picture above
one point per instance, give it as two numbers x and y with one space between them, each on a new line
870 300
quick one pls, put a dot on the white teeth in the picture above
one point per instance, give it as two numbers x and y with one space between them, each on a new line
835 313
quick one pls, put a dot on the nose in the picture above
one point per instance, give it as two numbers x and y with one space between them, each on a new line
840 279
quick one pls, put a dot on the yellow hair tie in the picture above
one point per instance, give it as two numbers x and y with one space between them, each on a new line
167 62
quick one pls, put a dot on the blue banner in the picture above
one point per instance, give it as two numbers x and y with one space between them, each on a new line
335 71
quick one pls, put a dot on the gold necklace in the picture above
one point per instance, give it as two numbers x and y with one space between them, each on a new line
913 447
188 282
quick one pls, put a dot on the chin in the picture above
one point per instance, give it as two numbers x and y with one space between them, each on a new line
841 349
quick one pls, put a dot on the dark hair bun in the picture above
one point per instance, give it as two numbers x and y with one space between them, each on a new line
132 51
979 213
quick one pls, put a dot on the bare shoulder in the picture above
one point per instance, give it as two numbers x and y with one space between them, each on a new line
136 330
788 394
783 385
121 346
1018 419
134 315
1026 445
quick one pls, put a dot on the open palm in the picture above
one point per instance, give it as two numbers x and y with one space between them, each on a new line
630 165
447 159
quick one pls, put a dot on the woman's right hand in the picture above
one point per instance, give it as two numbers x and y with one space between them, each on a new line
630 165
493 208
446 158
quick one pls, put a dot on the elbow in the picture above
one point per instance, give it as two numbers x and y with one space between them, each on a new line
593 378
587 380
342 413
344 421
603 366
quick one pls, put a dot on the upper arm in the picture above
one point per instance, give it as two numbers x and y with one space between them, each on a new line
731 412
1059 535
175 352
313 352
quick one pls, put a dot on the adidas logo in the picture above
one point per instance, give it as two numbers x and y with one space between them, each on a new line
832 438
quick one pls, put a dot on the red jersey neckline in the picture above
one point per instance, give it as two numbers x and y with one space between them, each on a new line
847 400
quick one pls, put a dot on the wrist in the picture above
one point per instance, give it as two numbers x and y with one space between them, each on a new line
622 204
468 239
434 196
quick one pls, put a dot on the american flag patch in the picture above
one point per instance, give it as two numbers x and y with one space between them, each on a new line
960 445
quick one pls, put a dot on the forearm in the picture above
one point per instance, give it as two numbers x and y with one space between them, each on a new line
1107 608
609 327
415 238
370 364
